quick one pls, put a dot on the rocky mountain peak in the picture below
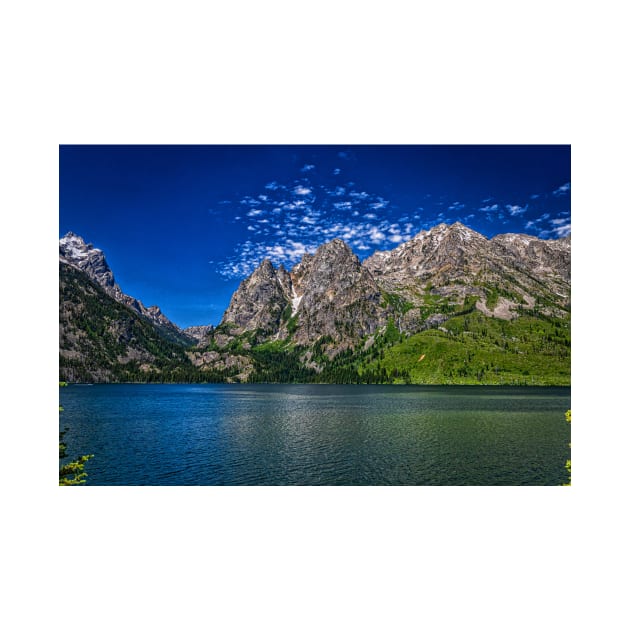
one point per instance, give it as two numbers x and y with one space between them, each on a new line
337 297
74 251
265 268
258 302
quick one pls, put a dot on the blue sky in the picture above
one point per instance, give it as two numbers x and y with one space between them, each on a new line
181 226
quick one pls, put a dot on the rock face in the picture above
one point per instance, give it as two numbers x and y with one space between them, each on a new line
74 251
441 255
198 332
328 294
335 296
326 304
453 262
103 340
439 272
258 302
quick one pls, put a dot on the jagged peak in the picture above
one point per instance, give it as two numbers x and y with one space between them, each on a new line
265 268
71 236
513 236
75 244
336 245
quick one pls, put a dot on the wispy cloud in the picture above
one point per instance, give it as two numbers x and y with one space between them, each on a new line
302 190
288 219
546 227
562 190
515 210
562 230
493 208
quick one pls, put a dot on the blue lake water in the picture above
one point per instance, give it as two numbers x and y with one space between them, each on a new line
220 434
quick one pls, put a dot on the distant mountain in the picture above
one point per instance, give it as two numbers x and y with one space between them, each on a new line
74 251
448 264
106 335
448 306
102 340
199 333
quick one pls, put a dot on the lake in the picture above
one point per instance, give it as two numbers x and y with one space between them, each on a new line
222 434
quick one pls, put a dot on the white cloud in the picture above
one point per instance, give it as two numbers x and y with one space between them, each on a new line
376 236
302 190
381 203
287 213
559 221
492 208
562 230
562 190
307 167
359 195
337 171
338 191
457 206
515 210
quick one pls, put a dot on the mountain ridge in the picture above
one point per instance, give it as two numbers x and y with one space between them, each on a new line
74 251
334 317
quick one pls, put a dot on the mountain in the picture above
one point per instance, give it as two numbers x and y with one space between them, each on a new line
103 340
75 252
443 267
506 299
198 332
106 335
439 271
447 306
328 294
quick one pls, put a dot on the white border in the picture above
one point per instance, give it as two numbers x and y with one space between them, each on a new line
342 72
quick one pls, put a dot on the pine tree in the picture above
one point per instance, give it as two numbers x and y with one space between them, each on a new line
71 473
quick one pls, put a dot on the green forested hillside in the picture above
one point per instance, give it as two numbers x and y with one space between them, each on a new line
467 349
478 349
101 340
